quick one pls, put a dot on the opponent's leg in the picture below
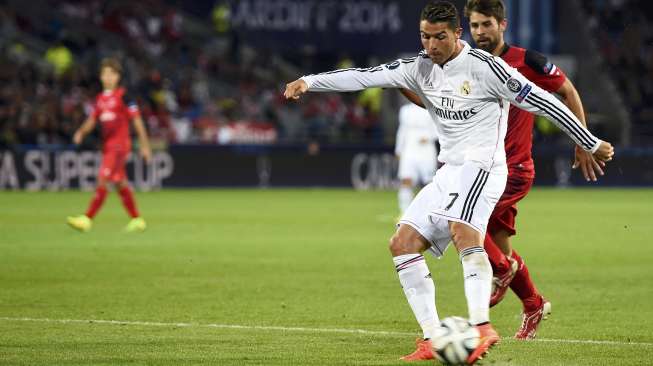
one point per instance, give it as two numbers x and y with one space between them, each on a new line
504 267
536 307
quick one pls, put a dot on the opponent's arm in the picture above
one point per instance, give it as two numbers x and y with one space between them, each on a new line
584 160
552 79
507 83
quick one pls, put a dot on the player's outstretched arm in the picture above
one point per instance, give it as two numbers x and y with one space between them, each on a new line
143 141
507 83
295 89
398 74
83 130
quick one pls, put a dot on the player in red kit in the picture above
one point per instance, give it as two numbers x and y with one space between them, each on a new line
487 22
113 109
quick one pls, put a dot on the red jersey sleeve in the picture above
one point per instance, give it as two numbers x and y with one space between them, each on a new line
543 72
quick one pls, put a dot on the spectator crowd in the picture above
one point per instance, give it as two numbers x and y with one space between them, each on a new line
190 88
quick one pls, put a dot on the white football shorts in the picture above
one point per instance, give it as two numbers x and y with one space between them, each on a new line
462 193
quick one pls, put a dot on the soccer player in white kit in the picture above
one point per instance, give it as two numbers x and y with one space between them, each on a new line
467 92
415 148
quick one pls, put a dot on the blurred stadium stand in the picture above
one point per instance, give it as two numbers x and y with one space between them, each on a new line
212 72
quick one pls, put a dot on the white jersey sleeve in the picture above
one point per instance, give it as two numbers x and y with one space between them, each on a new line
506 82
401 73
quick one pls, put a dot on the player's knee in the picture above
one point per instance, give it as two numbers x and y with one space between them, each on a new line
463 235
395 244
404 242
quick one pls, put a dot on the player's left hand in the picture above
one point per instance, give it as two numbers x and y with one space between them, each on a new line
295 89
589 166
146 153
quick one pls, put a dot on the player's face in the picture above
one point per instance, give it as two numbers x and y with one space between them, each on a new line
486 31
109 78
438 40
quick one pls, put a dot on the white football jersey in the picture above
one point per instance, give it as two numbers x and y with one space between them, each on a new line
416 134
467 97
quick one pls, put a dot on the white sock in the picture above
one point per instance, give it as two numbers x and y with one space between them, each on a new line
478 283
405 196
415 279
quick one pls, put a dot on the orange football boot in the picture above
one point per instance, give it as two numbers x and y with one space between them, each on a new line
489 337
423 352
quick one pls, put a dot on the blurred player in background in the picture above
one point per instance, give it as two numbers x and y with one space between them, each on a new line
415 148
114 110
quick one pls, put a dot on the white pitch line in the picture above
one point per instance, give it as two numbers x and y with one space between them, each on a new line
300 329
221 326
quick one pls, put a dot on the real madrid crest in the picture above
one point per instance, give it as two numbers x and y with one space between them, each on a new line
466 89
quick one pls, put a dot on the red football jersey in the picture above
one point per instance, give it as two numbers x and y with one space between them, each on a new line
114 112
538 69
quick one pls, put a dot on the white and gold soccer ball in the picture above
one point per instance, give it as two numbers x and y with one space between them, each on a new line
455 340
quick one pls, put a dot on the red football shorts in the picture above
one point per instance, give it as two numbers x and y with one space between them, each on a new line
505 211
113 165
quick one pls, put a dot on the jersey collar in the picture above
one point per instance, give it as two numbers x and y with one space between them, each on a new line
458 59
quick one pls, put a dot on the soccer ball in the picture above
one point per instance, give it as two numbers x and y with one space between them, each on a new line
455 340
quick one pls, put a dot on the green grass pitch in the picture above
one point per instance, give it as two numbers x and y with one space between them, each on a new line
287 277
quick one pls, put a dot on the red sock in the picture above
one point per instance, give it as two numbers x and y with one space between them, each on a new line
523 286
498 260
128 201
97 201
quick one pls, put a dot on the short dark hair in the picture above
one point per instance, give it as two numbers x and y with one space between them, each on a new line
489 8
111 63
441 11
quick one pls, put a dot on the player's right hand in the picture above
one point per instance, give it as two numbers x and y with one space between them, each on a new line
295 89
605 152
77 138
